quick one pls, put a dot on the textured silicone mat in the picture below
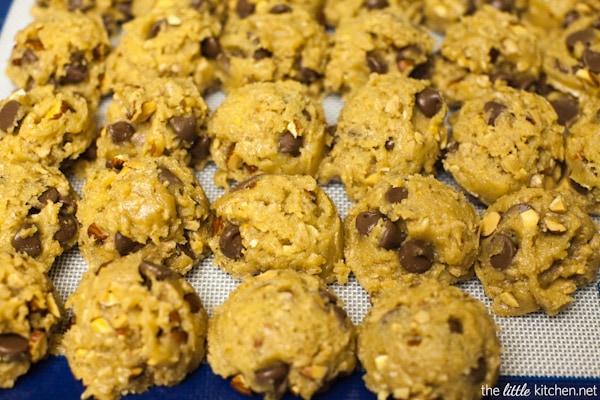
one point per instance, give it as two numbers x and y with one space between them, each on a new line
544 357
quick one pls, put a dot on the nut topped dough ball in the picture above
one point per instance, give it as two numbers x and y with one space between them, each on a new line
45 125
31 311
37 210
154 206
407 230
504 140
136 324
377 42
272 127
393 125
275 221
61 48
431 341
281 331
163 116
537 248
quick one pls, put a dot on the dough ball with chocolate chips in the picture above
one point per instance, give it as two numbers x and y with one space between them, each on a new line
537 248
552 15
45 125
166 43
281 331
407 230
336 11
37 210
487 46
154 206
30 313
242 9
275 221
135 324
163 116
378 42
431 341
504 140
283 42
392 126
63 49
273 127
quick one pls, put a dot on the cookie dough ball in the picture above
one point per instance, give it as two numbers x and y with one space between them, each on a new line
281 331
393 125
31 310
282 43
163 116
336 11
37 209
61 48
166 43
45 125
429 341
537 248
485 47
407 230
377 42
274 127
505 140
275 221
152 206
572 58
241 9
136 324
555 14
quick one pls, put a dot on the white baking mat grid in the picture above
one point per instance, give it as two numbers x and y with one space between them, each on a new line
566 345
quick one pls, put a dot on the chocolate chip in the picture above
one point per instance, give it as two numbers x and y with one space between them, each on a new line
494 109
392 236
31 245
570 17
503 5
288 144
330 301
166 176
120 131
261 54
455 325
578 187
160 272
194 302
12 345
68 229
584 36
376 63
396 194
8 114
280 9
76 71
390 144
416 256
230 242
591 59
479 372
274 376
156 28
502 250
429 101
125 245
184 127
422 71
366 221
308 75
375 4
244 8
210 48
566 109
50 195
29 56
201 148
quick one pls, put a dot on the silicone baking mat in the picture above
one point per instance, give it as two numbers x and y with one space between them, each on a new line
544 357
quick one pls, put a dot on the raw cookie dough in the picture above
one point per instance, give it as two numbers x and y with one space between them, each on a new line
485 47
153 206
504 140
45 125
377 42
275 221
31 310
163 116
136 324
168 43
241 9
429 342
572 58
281 331
537 248
336 11
37 210
555 14
407 230
274 127
282 43
61 48
216 8
393 125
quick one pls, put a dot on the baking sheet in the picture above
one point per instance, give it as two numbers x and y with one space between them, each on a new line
544 357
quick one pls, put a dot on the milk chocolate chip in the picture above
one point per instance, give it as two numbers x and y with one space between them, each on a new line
416 256
8 114
396 194
210 48
274 376
12 345
502 250
31 245
230 242
375 4
184 127
429 101
366 221
244 8
290 144
120 131
201 148
76 71
160 272
194 301
392 236
68 229
494 109
376 63
125 245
